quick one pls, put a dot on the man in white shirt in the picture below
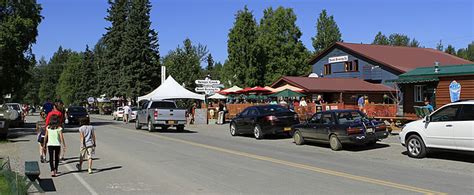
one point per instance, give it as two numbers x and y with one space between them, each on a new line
303 102
126 113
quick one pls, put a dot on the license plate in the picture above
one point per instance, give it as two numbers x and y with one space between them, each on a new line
370 130
171 122
1 124
287 129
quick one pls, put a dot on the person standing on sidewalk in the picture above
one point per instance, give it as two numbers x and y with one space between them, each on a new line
88 144
54 138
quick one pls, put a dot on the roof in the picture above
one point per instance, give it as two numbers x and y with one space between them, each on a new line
311 84
428 74
400 59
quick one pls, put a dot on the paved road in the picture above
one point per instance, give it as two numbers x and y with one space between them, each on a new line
206 159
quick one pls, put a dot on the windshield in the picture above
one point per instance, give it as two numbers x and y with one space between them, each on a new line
271 109
76 109
163 105
14 106
349 117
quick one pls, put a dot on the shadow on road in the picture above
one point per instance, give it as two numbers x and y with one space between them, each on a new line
95 170
350 147
173 131
460 156
102 123
28 129
75 160
268 137
47 185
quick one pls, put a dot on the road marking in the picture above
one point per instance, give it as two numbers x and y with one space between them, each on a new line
81 180
296 165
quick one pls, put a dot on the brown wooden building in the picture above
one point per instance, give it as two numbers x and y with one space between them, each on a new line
432 83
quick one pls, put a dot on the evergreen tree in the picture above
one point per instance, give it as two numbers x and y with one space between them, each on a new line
140 66
283 52
217 72
183 63
414 43
69 81
243 52
51 74
450 49
467 53
19 22
327 32
86 76
99 63
439 46
31 89
109 72
380 39
210 63
397 39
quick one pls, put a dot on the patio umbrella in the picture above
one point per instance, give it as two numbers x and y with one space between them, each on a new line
287 93
230 90
287 86
217 96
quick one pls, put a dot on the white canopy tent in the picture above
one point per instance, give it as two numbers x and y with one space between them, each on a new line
217 96
170 89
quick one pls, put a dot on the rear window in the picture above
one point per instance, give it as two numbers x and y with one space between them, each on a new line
77 109
271 109
349 117
163 105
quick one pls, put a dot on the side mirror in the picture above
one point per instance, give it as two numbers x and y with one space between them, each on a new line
427 119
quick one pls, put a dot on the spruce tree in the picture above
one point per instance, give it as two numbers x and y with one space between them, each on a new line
243 66
109 72
397 39
450 49
69 81
283 52
327 32
380 39
86 76
52 72
139 67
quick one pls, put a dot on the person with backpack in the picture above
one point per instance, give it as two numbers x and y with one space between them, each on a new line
54 138
88 144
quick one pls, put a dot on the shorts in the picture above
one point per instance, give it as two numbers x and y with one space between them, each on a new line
87 153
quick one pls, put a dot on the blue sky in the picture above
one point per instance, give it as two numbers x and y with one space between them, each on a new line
75 23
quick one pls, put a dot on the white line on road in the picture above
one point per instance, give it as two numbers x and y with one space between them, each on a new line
83 182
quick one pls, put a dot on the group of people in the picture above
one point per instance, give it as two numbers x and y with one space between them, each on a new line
51 138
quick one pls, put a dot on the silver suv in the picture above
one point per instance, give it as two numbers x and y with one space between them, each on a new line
449 127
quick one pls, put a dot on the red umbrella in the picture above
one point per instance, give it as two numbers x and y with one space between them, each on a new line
256 89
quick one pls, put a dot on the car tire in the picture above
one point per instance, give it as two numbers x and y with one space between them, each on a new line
257 132
415 147
233 129
180 128
335 143
150 126
299 140
137 125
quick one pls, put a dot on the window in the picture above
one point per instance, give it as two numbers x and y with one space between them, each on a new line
467 113
327 119
245 112
316 118
327 69
446 114
419 93
253 112
351 66
349 117
163 105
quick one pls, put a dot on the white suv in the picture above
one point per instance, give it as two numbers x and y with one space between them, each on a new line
450 127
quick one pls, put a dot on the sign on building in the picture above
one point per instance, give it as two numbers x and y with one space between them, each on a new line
454 91
208 86
338 59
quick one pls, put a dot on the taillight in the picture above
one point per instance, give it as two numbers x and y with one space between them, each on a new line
155 114
271 118
382 127
353 130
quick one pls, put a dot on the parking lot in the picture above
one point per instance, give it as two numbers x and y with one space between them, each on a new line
206 159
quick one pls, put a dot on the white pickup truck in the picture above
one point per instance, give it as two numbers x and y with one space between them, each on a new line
162 113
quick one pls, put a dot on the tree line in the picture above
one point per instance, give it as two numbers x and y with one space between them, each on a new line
125 61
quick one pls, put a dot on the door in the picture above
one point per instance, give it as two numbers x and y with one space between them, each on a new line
309 130
240 120
323 130
464 128
251 119
440 129
142 117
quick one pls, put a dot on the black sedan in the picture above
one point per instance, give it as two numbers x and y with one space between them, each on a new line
340 127
263 120
75 113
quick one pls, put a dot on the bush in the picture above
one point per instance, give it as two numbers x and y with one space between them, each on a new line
12 182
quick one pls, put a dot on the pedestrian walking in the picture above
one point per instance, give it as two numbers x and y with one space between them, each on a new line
361 103
88 144
126 113
54 138
41 130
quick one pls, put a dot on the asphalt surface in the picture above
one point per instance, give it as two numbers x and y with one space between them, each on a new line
205 159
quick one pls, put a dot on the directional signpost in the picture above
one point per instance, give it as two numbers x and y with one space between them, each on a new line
209 87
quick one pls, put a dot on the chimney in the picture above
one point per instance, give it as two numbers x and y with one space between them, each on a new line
436 69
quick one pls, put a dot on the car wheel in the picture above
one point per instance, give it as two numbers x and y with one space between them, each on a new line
416 147
257 132
335 143
233 130
180 128
299 140
137 125
150 126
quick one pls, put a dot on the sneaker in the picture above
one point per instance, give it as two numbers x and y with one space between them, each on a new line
90 171
41 159
79 168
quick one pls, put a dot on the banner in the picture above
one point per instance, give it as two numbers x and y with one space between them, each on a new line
455 91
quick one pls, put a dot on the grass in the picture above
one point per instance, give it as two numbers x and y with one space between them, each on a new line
4 186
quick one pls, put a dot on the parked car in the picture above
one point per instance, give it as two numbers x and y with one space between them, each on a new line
263 120
93 110
133 115
18 121
340 127
450 127
162 114
75 113
118 114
